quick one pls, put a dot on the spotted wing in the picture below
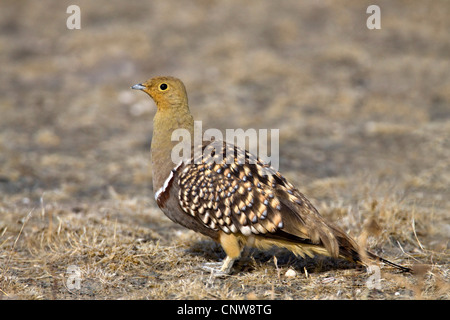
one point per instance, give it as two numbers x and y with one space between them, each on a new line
229 189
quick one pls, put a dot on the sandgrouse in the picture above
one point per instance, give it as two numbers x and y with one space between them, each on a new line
232 196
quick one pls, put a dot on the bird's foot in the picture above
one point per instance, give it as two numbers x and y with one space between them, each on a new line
219 269
215 269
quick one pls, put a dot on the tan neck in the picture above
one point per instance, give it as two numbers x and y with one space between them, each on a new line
165 122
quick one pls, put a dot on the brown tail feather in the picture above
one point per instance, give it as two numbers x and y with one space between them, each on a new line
350 250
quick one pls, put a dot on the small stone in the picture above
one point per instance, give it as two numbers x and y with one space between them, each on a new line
290 273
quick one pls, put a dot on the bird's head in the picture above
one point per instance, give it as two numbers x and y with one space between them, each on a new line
167 92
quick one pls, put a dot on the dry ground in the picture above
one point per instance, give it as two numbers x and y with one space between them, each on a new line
364 119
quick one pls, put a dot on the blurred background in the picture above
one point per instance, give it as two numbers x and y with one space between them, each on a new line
364 115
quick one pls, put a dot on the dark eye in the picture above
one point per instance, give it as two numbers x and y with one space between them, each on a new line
163 86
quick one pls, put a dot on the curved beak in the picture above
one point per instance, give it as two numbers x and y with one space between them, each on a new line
138 87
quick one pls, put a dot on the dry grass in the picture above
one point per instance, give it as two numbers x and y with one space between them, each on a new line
364 123
122 260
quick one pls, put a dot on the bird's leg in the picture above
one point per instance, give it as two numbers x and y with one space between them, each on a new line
219 269
227 265
232 247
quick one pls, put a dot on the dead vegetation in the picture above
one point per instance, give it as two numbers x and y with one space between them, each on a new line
119 260
364 123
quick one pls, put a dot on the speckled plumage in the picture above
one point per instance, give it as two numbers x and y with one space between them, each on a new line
230 195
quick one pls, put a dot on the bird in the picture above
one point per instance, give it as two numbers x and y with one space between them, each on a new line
232 196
